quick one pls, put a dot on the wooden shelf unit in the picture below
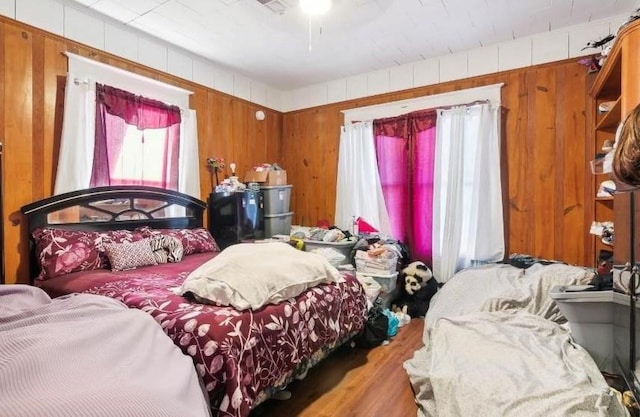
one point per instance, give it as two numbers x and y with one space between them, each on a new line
610 120
617 81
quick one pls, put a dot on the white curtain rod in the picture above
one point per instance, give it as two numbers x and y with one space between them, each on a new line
123 72
490 93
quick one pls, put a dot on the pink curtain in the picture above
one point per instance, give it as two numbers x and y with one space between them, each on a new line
405 149
158 124
392 152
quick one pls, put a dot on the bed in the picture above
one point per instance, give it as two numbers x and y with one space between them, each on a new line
242 356
495 344
80 355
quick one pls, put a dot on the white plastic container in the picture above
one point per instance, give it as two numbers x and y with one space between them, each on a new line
277 198
333 256
375 265
371 287
342 247
599 322
277 224
389 298
386 281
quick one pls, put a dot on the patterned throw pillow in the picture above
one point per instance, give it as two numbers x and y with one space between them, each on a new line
196 240
62 251
123 256
116 236
166 249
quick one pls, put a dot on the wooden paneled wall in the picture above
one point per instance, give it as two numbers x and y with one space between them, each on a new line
544 142
32 78
544 138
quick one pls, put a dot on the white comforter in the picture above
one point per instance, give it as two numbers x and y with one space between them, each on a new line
89 356
251 275
505 364
494 347
501 287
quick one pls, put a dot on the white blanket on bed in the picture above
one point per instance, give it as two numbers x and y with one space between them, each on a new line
251 275
501 287
494 346
506 364
89 356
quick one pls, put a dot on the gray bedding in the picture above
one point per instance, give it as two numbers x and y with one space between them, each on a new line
500 287
89 356
494 346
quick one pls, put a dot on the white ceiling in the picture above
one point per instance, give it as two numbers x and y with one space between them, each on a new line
288 51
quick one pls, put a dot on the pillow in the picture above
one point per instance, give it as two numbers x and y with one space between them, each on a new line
166 249
251 275
120 236
196 240
116 236
123 256
62 251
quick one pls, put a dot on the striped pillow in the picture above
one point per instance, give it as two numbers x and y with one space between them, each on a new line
166 249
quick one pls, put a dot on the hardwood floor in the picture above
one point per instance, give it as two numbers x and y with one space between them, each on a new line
355 382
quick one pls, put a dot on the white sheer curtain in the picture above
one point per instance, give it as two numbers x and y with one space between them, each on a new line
468 217
359 192
189 179
75 159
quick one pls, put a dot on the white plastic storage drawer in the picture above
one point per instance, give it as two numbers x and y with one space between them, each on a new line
386 281
375 265
342 247
277 224
276 199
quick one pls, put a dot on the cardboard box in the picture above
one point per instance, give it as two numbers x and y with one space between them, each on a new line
270 177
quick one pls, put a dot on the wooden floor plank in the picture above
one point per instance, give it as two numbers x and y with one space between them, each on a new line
355 382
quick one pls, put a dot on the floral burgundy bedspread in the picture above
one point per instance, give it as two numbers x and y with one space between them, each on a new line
242 357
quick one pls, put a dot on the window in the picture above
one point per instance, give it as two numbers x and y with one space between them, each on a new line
78 140
136 142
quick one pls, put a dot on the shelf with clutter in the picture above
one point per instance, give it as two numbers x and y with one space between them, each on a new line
615 94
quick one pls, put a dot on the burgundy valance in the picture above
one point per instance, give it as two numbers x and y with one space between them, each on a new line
399 126
139 111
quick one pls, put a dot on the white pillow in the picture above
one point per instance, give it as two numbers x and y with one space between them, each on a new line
251 275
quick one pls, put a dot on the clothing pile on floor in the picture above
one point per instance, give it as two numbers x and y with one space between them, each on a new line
320 234
376 253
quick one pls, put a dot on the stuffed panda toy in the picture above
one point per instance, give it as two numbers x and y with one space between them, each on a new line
418 286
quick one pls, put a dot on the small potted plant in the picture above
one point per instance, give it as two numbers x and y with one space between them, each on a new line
214 165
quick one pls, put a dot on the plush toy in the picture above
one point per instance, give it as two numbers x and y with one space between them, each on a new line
418 286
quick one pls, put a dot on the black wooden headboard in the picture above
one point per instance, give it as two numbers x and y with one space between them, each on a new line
114 208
